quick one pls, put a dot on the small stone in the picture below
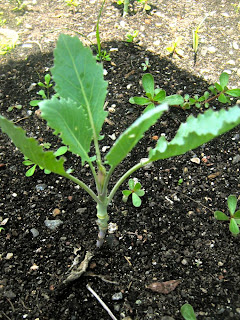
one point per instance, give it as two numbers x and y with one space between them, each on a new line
232 62
220 263
195 160
41 187
184 262
235 45
81 210
236 159
14 194
112 136
156 42
53 224
56 212
117 296
35 232
9 256
138 302
212 49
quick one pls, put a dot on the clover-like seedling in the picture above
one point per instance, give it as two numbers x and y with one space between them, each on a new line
132 36
146 64
77 115
234 218
154 96
134 190
174 49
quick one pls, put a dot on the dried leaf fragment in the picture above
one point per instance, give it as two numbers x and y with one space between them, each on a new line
163 287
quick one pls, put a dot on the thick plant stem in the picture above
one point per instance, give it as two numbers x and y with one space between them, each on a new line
102 222
125 9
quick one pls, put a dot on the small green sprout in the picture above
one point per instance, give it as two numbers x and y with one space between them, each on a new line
17 106
44 94
146 7
187 312
234 215
1 229
132 36
154 96
195 35
134 190
180 181
174 48
146 64
60 151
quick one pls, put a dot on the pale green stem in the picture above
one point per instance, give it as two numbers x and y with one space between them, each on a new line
124 177
102 220
84 186
125 9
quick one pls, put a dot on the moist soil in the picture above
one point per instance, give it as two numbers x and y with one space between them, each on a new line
173 235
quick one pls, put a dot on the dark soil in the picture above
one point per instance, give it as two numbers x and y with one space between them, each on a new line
173 235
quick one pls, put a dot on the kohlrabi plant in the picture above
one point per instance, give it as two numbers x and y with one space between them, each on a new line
153 97
135 191
77 117
234 218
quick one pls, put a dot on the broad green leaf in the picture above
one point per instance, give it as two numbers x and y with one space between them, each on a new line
233 227
224 78
80 78
148 83
219 215
60 151
218 86
232 204
136 200
130 137
30 171
70 121
187 312
160 96
140 192
222 98
30 148
141 101
237 214
233 92
195 132
175 99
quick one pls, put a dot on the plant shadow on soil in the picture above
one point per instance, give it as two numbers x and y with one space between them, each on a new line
173 235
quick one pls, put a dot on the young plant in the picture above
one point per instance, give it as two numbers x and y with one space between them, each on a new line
44 94
154 96
72 4
17 106
174 48
134 190
132 36
196 38
234 215
102 55
77 117
125 6
27 162
146 64
187 312
146 7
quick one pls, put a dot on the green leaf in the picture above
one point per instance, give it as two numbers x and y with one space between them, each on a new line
136 200
140 192
149 107
224 78
222 98
130 137
70 121
218 86
232 204
233 92
160 96
126 192
30 171
187 312
219 215
30 148
141 101
148 83
233 227
27 162
196 131
137 186
237 215
174 99
131 184
80 78
34 103
60 151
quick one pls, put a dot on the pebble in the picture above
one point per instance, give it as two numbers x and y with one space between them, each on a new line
53 224
236 159
156 42
117 296
184 262
9 256
212 49
232 62
235 45
41 187
195 160
35 232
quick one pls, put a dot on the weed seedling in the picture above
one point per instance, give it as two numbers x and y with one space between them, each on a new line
17 106
234 218
45 92
134 190
174 49
72 4
146 7
154 96
132 36
146 64
102 55
77 117
196 38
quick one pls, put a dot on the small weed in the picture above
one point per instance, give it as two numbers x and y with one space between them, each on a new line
17 106
132 36
44 93
234 217
187 312
134 190
174 48
146 64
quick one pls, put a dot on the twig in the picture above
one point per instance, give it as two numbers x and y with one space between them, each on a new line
91 274
6 316
21 119
101 302
12 306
